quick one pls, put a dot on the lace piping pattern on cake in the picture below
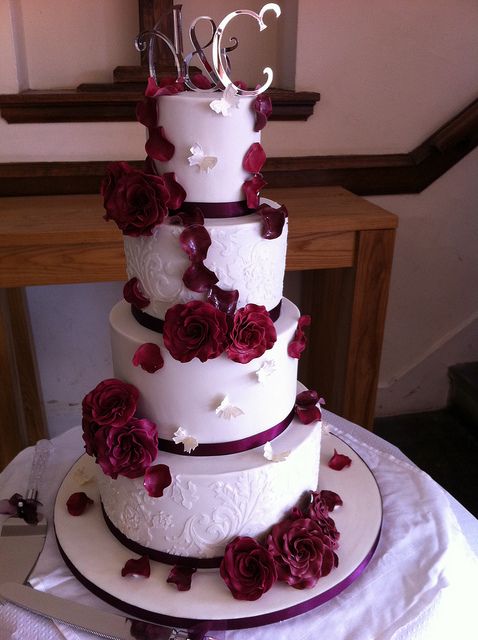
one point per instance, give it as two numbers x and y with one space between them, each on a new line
240 503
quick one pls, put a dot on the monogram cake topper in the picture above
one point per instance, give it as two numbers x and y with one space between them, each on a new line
217 71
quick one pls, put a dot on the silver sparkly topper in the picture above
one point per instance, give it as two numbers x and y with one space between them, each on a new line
218 73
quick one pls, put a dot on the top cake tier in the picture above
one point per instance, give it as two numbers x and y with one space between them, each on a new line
218 143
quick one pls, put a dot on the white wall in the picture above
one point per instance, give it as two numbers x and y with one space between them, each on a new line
389 74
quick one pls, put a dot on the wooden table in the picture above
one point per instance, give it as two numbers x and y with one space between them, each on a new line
343 244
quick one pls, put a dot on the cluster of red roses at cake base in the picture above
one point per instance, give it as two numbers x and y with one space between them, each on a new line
299 550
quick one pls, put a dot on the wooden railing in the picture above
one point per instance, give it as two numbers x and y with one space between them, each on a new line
362 174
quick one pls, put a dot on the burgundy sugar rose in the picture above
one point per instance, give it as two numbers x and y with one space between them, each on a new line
112 402
136 201
181 577
114 172
252 333
247 568
148 357
127 450
133 293
301 552
195 330
319 512
77 503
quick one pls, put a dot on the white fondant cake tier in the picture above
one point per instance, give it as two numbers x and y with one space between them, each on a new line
187 394
239 256
212 500
188 120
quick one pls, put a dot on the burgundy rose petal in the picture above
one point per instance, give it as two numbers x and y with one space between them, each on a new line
195 330
225 301
77 503
252 188
251 335
262 107
306 408
181 577
148 357
195 242
273 221
331 499
133 293
138 567
298 344
158 146
156 479
200 81
199 278
339 461
240 84
177 194
167 86
247 568
254 159
147 112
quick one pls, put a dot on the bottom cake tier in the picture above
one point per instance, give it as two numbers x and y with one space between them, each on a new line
211 500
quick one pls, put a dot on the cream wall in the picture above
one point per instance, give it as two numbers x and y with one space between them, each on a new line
389 74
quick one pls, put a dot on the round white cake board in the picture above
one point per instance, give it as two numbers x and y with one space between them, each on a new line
96 557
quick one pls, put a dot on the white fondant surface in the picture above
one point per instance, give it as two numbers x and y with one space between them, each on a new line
99 557
211 500
187 120
239 256
187 394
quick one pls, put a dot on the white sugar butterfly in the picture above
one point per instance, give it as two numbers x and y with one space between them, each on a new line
227 410
182 437
274 457
229 100
200 159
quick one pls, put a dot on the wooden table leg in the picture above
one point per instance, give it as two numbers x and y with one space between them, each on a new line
22 420
348 308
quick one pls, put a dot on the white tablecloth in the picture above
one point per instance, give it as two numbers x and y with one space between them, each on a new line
421 583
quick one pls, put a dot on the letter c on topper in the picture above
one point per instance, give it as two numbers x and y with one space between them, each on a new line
220 64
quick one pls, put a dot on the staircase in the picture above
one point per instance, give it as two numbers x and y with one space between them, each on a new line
444 443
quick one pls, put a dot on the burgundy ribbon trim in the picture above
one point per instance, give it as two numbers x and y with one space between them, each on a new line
221 624
218 209
226 448
157 324
146 320
160 556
